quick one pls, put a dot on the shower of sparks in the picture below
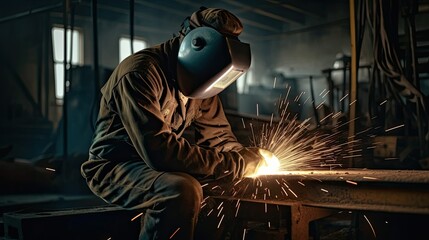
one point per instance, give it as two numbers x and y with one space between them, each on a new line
172 235
295 145
344 97
372 228
298 146
138 215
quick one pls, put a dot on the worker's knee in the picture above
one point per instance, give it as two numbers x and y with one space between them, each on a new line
184 189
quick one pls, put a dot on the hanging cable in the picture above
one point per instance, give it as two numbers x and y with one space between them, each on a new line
65 87
383 20
132 25
96 100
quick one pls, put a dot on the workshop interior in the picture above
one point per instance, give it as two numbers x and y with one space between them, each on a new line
337 89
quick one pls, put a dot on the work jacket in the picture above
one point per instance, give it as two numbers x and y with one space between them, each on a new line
143 116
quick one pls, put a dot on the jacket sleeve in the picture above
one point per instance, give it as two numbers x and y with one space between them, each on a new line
213 129
136 100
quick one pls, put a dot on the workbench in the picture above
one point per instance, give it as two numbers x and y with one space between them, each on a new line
380 204
305 196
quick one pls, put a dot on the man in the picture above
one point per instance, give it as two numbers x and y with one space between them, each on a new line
138 159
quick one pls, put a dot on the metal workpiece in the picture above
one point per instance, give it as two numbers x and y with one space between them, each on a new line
400 191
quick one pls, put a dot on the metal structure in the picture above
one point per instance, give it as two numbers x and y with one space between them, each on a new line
312 195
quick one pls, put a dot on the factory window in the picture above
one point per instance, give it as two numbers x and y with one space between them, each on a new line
125 47
74 51
243 82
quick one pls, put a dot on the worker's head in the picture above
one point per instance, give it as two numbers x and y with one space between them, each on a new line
211 56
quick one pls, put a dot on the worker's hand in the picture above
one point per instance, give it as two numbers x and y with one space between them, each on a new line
253 160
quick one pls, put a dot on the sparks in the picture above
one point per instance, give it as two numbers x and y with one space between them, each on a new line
172 235
138 215
211 210
373 230
351 182
220 221
50 169
372 178
238 207
393 128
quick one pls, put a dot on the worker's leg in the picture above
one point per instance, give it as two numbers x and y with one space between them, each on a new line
171 200
175 213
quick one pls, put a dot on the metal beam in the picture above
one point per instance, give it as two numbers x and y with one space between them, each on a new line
284 16
396 191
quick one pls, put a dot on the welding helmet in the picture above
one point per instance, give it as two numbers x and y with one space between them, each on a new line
210 57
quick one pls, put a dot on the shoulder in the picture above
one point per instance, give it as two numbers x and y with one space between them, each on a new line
159 60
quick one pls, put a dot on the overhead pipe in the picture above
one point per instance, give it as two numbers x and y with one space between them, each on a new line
30 12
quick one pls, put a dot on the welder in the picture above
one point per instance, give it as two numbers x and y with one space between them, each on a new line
138 158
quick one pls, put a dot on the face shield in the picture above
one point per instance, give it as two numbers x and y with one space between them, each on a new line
208 62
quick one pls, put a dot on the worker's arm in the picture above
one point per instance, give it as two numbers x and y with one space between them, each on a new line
212 127
136 100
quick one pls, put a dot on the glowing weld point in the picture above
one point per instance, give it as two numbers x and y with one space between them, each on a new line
271 164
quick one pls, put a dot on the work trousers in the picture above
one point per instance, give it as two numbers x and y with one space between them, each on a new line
170 201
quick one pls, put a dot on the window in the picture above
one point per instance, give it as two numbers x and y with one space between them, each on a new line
125 47
243 82
58 49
